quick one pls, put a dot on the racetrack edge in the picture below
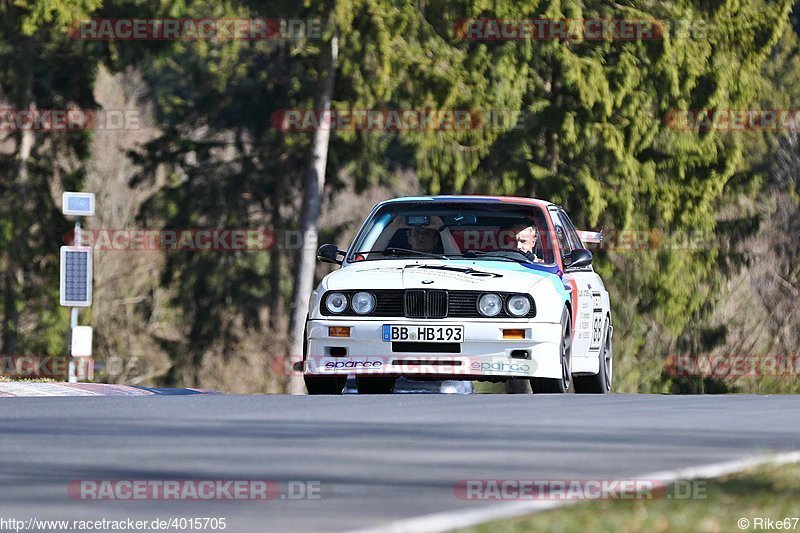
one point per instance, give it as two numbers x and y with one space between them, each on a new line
460 518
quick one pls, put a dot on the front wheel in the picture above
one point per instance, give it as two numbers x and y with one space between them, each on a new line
559 386
518 386
374 385
324 384
599 383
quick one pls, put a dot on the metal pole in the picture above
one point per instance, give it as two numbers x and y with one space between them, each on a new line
73 323
77 240
73 314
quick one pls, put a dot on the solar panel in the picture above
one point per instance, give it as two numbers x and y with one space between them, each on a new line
76 276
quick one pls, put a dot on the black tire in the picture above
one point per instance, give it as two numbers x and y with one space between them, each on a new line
599 383
375 385
563 385
324 384
518 386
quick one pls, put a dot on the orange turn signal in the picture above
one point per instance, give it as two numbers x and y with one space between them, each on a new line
338 331
513 333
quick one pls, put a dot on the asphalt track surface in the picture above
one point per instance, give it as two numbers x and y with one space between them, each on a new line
377 458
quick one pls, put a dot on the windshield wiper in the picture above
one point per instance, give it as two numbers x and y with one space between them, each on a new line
498 254
401 251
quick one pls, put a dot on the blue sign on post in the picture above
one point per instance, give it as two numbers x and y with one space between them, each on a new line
79 204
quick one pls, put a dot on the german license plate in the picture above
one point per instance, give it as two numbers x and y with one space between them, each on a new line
436 333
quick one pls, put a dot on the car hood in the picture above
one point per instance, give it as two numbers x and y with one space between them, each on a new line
439 274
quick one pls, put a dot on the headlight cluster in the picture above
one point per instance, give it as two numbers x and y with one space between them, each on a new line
518 305
363 303
491 304
460 304
336 302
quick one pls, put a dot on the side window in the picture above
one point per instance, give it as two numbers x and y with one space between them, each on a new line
561 234
572 233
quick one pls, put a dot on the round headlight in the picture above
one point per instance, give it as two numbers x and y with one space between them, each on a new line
336 302
363 303
518 305
490 305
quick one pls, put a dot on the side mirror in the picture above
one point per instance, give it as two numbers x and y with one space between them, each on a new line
329 253
580 257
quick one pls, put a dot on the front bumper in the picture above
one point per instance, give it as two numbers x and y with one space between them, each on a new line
484 353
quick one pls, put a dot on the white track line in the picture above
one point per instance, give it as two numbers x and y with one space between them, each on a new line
449 520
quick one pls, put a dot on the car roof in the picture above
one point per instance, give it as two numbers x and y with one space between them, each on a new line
472 199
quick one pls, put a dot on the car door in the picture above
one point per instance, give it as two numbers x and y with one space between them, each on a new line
588 309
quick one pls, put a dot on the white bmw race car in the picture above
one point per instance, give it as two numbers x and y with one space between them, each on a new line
461 287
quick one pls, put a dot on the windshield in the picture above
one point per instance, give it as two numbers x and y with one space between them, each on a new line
491 231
